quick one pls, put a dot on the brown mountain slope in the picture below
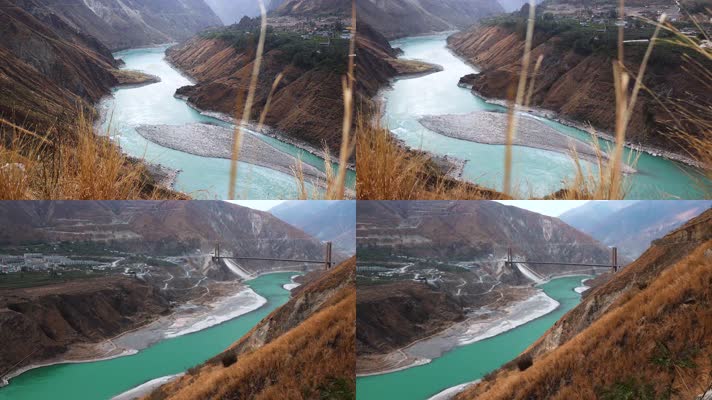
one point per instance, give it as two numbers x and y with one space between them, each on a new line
48 70
643 334
579 85
303 350
43 322
308 104
393 315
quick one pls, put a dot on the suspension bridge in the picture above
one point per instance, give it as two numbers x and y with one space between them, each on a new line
327 261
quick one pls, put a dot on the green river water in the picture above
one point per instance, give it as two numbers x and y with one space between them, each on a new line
537 172
101 380
469 362
203 177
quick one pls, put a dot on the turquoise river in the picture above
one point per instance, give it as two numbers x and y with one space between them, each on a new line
202 177
537 172
100 380
470 362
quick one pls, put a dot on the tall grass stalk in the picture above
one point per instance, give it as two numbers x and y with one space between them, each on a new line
247 110
521 90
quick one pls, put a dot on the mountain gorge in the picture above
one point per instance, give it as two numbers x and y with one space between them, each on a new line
644 333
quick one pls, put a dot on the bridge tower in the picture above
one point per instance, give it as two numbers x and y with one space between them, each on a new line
327 256
614 259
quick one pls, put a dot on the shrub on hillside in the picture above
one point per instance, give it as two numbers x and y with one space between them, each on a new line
228 359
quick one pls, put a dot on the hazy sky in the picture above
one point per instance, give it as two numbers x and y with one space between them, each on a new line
262 205
552 208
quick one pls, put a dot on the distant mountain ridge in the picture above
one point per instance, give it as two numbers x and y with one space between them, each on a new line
232 11
412 17
333 221
157 227
633 225
471 230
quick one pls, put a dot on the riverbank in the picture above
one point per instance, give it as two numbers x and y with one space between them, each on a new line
267 131
217 142
483 324
608 136
554 116
293 285
488 127
191 317
146 388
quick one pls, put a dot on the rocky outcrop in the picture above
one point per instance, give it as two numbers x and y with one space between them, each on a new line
578 85
395 315
316 329
644 330
41 323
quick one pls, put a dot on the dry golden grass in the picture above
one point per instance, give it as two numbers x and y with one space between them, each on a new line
81 167
655 339
694 116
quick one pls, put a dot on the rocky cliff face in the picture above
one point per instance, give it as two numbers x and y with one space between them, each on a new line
394 315
43 322
49 69
316 328
56 55
643 331
577 85
158 227
125 24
